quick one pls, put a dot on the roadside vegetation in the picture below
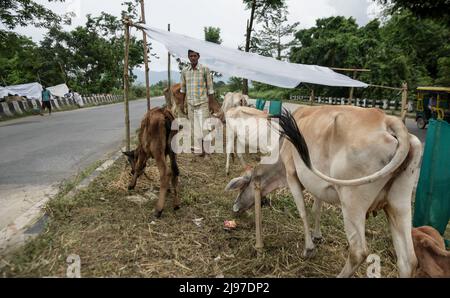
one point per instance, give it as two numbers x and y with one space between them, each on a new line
113 232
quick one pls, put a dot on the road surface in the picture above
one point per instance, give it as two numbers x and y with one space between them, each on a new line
38 153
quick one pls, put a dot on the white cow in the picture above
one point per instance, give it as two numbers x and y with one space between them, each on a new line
232 100
357 158
249 127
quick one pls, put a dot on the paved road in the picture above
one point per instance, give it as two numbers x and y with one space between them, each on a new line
37 153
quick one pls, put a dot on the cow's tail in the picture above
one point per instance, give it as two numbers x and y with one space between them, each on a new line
168 118
290 131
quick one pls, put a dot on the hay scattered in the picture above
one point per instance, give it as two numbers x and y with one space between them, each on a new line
117 237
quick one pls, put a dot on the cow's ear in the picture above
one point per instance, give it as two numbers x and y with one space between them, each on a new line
237 183
129 153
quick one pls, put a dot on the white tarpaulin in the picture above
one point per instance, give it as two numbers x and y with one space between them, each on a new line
31 90
249 65
59 90
4 92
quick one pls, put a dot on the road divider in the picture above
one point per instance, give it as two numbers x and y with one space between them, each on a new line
21 107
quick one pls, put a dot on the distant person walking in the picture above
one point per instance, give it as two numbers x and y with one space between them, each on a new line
46 95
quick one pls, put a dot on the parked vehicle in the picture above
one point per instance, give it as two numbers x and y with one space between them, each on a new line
432 103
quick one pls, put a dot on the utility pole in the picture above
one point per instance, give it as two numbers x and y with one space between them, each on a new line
147 79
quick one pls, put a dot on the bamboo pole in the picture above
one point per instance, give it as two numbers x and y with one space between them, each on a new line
386 87
144 37
352 90
312 97
126 82
351 69
169 81
404 101
258 217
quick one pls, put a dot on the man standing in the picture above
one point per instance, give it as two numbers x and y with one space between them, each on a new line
197 88
46 101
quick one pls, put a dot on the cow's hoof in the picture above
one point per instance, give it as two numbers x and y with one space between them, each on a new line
317 239
309 253
158 214
176 208
265 201
130 187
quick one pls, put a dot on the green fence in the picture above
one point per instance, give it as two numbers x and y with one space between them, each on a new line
432 206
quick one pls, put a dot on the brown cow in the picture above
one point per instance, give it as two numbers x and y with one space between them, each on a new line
177 103
433 260
155 136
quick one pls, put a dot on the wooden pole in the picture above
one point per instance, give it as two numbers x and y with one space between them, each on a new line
351 69
258 217
386 87
352 90
144 37
125 81
404 101
312 97
169 81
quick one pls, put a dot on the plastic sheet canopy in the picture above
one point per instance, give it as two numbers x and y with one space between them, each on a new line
250 65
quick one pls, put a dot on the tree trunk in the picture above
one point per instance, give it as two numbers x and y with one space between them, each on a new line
247 42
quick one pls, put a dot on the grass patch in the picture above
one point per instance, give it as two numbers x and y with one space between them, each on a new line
116 236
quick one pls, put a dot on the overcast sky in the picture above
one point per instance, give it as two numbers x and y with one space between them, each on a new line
189 17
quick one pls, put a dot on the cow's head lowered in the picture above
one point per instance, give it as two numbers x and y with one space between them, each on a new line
132 157
271 177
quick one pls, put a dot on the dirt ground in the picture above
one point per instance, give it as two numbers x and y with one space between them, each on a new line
113 232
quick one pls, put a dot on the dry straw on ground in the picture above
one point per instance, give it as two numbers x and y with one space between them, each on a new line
116 236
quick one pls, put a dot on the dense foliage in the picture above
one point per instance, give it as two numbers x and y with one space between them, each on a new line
402 49
410 45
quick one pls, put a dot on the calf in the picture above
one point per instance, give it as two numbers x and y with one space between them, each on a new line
176 99
433 260
155 136
177 102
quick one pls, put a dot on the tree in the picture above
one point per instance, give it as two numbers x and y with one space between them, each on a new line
436 9
403 49
333 42
269 41
235 84
258 10
15 13
443 77
212 34
21 64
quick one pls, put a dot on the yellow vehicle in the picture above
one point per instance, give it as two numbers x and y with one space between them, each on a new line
432 103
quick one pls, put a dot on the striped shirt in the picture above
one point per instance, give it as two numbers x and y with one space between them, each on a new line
197 84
